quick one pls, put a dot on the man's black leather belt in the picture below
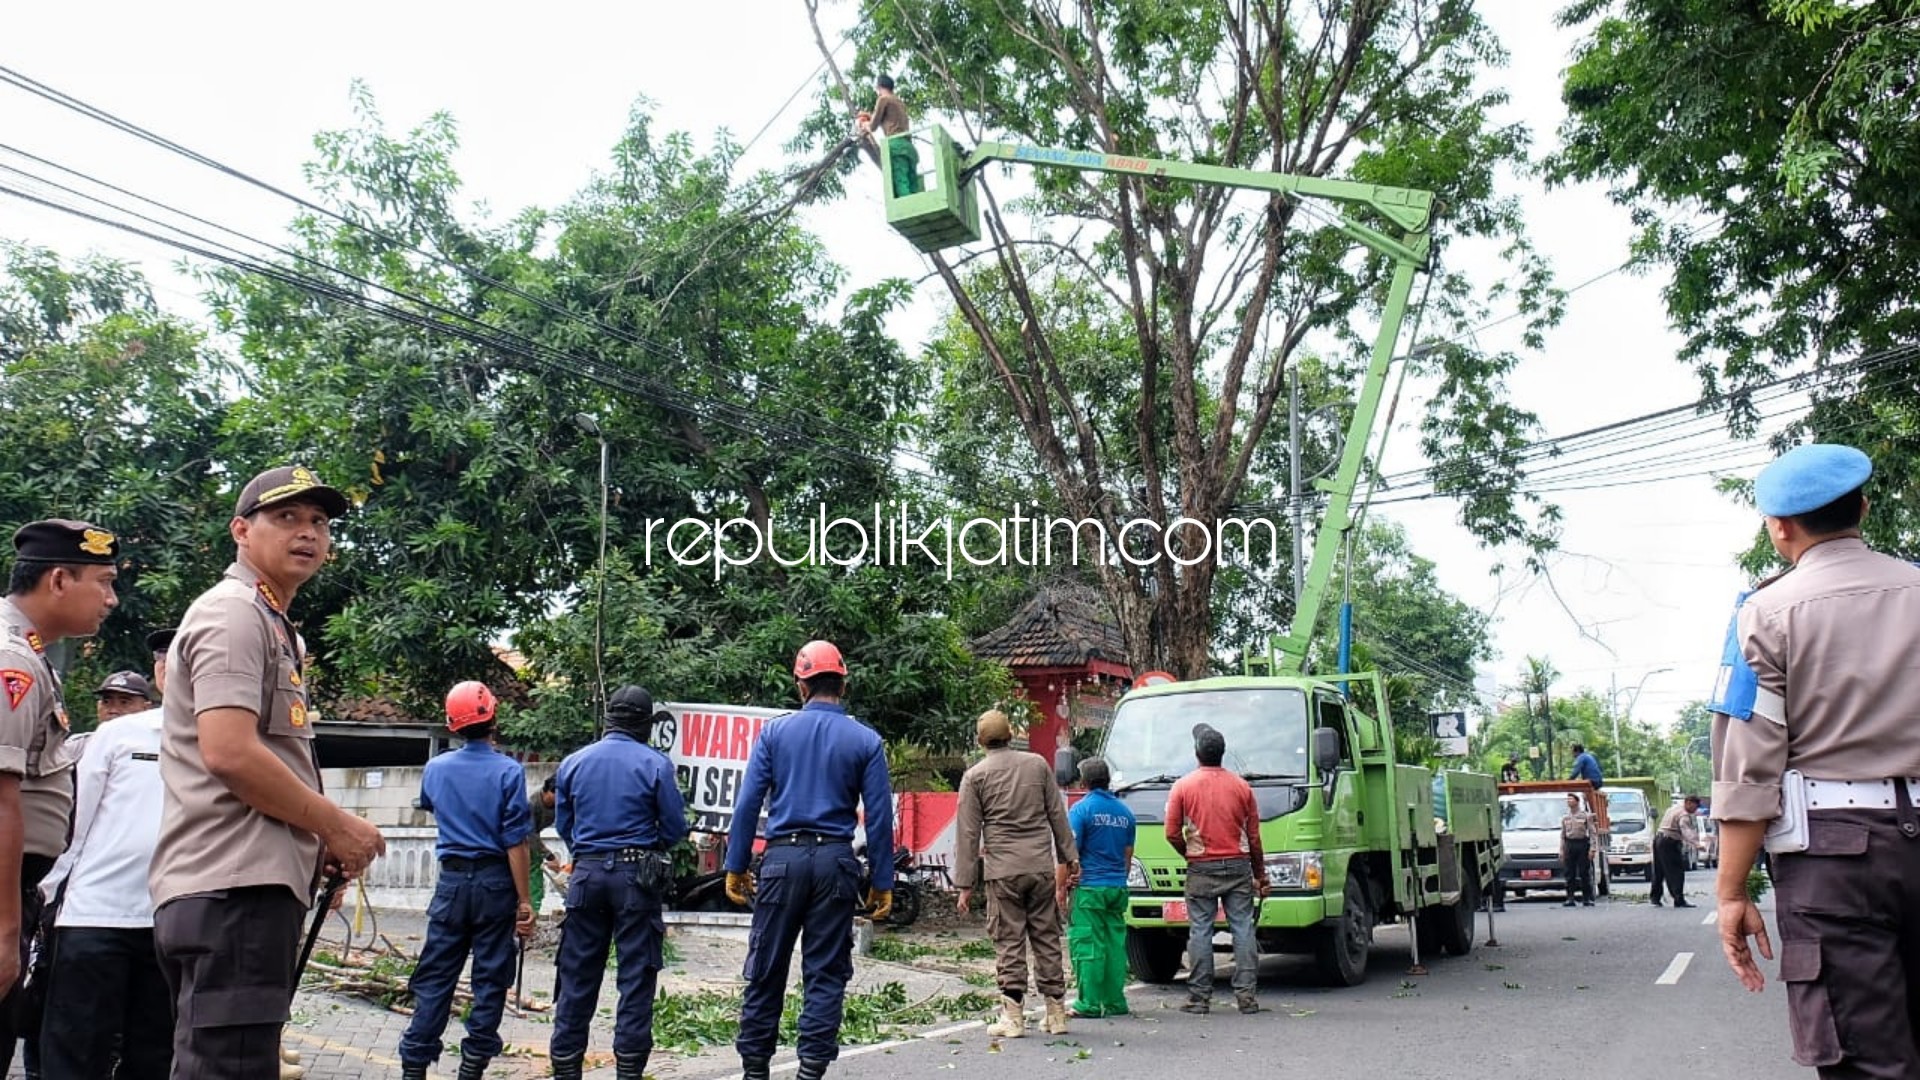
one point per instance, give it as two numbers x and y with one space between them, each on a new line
460 864
622 855
807 839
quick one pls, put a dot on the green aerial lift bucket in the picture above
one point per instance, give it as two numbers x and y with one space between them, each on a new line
941 212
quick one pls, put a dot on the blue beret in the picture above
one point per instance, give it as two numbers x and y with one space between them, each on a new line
1809 477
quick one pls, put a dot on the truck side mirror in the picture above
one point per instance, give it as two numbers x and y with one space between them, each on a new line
1326 750
1065 766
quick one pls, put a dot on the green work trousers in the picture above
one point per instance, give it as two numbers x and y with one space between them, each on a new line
1097 941
903 162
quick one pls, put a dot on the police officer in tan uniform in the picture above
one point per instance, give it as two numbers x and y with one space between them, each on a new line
1834 728
61 587
245 828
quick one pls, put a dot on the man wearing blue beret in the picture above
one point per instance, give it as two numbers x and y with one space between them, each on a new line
1826 769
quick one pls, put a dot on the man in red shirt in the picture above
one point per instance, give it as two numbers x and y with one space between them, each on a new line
1212 822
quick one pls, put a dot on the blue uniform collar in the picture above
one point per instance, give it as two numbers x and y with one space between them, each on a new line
824 706
477 746
620 733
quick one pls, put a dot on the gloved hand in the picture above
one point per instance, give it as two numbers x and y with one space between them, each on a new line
740 887
879 903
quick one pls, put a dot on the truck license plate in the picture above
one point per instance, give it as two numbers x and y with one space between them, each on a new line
1175 911
1536 875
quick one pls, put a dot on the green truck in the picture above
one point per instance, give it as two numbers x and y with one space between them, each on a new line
1349 833
1353 839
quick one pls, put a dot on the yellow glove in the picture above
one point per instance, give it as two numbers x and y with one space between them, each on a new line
740 887
880 903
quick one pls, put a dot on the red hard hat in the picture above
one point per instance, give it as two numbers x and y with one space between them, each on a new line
469 703
818 658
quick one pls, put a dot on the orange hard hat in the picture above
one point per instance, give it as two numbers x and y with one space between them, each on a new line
818 658
469 703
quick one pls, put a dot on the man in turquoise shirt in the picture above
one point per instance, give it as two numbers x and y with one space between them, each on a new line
1097 936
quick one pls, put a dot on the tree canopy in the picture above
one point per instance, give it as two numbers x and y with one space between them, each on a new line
1770 153
1138 332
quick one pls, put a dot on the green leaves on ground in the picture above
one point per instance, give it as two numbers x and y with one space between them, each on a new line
686 1023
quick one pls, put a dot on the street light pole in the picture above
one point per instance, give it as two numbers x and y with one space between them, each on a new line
591 426
1613 706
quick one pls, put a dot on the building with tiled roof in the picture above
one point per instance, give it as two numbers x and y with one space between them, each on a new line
1066 649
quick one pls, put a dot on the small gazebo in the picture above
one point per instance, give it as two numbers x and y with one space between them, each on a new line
1065 648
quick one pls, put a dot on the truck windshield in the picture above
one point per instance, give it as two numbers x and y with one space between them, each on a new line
1266 732
1627 809
1523 814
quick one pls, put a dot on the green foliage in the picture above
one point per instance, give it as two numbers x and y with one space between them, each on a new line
688 1022
112 412
1770 153
1137 333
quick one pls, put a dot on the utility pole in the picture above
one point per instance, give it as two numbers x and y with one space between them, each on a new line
1546 714
1296 499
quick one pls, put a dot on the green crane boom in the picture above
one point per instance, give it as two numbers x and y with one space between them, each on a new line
938 208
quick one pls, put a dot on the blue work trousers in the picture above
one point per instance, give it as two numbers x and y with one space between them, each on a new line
607 905
807 893
472 912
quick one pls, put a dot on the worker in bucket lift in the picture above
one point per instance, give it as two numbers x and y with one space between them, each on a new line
478 797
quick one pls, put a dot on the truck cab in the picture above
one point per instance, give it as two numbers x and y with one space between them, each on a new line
1630 851
1530 814
1351 839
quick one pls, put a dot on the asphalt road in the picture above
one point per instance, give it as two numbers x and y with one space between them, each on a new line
1620 989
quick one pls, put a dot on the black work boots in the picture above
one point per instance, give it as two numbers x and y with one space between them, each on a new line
568 1068
630 1066
811 1070
472 1068
755 1068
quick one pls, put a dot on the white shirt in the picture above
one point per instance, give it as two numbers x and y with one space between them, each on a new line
118 799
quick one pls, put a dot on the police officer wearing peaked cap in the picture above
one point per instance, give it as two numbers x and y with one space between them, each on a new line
814 769
61 586
478 797
618 808
1836 685
246 829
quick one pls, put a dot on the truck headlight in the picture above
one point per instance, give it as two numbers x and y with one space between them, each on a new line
1639 843
1136 875
1294 870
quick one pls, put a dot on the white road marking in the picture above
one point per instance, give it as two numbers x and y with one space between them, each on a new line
1674 970
1712 917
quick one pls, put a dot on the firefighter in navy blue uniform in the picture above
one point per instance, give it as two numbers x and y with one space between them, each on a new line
618 809
814 769
478 797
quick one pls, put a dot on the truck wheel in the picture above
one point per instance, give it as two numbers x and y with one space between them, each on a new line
1453 924
1341 952
1155 955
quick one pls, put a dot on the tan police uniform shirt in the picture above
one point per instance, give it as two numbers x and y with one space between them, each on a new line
232 651
1678 824
33 733
1577 826
1012 819
1833 646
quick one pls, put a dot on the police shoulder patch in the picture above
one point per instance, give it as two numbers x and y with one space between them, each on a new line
16 684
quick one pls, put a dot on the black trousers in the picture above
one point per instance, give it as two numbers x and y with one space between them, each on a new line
20 1017
106 991
1580 869
1849 919
1669 869
228 958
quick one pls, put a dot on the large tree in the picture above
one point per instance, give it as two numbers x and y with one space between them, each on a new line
1138 332
1770 152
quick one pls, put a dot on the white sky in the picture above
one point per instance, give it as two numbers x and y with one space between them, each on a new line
539 101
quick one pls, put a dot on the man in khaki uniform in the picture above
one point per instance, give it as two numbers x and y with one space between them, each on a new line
1676 836
1013 820
245 827
1577 832
1831 645
61 587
